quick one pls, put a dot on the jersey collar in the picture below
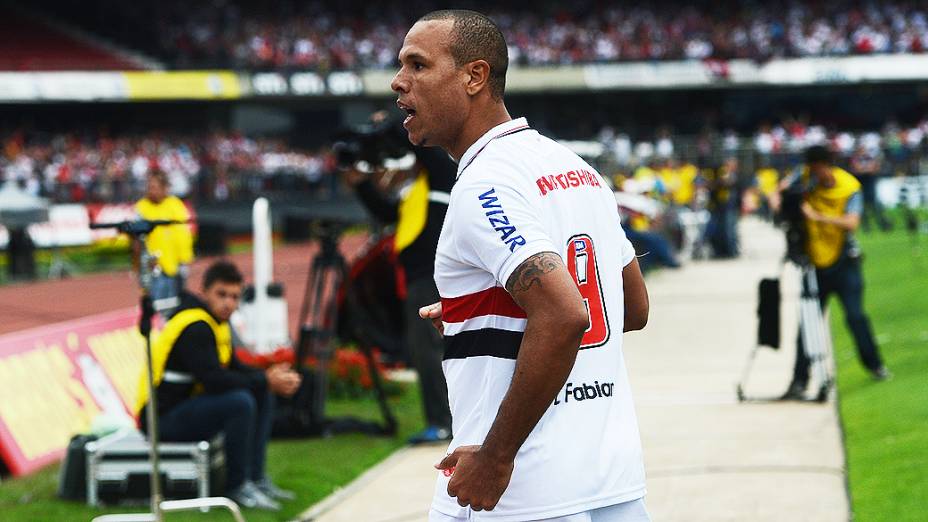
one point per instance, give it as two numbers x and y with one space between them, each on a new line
496 132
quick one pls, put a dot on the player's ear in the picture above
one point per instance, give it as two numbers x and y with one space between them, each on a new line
478 75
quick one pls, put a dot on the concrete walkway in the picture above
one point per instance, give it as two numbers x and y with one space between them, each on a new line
708 457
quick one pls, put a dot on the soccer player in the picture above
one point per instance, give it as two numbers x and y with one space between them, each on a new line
537 283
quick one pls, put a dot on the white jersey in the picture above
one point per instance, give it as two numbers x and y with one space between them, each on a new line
518 194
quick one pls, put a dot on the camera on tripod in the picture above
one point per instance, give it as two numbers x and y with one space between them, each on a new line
813 328
371 143
792 217
328 292
328 231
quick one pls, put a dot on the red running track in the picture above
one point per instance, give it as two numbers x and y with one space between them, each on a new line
30 305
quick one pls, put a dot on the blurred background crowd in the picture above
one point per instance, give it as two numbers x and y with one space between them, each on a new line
289 34
103 167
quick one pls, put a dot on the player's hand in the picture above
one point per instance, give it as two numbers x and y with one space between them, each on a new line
432 312
477 479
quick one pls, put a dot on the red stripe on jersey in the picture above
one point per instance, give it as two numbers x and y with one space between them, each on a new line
492 301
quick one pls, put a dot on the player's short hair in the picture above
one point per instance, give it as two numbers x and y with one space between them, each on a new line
474 36
819 154
224 272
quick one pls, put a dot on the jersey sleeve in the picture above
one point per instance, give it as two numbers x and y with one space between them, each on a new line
628 251
497 228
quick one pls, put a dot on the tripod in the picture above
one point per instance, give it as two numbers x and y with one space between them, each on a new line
140 230
319 324
815 334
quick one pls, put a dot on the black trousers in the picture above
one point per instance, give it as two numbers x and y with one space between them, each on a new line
243 416
845 279
426 351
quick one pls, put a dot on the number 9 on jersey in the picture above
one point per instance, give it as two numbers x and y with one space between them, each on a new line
582 265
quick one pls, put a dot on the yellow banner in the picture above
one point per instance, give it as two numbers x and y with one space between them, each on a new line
55 381
182 85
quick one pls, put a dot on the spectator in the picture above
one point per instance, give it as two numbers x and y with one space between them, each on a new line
866 164
354 34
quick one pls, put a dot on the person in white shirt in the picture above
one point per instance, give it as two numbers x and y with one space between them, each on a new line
537 283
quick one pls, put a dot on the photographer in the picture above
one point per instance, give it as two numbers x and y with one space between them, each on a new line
418 214
203 389
171 245
724 206
831 208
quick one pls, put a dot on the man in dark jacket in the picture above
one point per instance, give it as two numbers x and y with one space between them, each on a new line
418 214
203 389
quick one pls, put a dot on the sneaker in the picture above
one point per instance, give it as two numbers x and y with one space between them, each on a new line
270 489
881 374
249 496
431 434
795 392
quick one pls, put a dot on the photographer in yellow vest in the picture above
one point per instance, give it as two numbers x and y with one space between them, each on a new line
204 390
832 205
418 212
171 245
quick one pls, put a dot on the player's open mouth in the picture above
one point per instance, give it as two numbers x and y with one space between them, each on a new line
410 112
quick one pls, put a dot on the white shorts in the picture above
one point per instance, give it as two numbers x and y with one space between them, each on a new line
632 511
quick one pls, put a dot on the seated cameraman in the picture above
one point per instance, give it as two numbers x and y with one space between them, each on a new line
418 213
203 389
832 204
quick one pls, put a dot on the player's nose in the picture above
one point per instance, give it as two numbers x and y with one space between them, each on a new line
400 83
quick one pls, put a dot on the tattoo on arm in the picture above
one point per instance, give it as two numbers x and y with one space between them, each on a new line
530 271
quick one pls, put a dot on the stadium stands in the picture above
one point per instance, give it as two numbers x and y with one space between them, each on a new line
72 167
896 143
223 165
352 34
27 44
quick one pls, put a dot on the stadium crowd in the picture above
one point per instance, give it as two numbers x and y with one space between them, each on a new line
682 196
72 167
780 142
350 34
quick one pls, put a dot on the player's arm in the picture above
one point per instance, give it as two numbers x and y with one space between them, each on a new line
636 297
556 322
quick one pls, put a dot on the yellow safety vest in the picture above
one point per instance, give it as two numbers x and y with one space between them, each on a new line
686 187
172 244
826 241
767 179
413 213
162 345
